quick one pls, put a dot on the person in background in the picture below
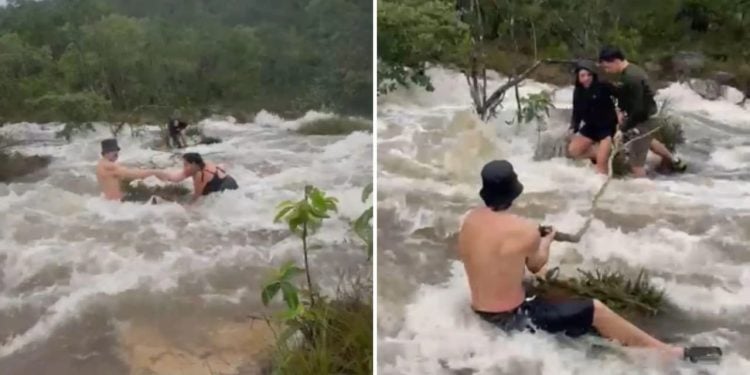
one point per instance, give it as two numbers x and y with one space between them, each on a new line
207 177
637 106
594 120
176 129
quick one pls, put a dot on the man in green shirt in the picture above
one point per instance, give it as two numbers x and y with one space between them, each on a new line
637 105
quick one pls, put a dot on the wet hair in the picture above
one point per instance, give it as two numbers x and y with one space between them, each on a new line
194 158
611 53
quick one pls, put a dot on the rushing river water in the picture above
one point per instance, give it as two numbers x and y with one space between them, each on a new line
91 287
689 231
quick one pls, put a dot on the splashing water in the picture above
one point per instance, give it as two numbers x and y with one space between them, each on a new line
81 278
689 231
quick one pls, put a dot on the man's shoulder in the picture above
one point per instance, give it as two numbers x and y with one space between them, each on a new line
509 221
635 73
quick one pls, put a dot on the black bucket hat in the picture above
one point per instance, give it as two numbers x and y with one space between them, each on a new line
500 185
109 145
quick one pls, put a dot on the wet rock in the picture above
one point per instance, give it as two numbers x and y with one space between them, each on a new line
552 144
723 78
140 192
15 165
223 347
334 126
685 63
652 67
707 88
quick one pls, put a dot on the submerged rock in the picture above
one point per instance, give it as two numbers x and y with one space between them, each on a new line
14 165
334 126
685 63
707 88
552 144
206 347
140 192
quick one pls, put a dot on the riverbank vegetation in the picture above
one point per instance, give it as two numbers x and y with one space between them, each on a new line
321 335
672 39
143 61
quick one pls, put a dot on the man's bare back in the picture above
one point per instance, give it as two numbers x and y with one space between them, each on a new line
495 248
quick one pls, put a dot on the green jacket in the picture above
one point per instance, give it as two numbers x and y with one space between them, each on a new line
636 98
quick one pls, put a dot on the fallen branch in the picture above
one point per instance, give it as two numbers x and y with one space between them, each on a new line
494 100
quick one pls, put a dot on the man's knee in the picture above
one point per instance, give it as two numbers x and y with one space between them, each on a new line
572 149
600 310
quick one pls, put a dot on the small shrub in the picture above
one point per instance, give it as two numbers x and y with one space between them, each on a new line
620 293
535 107
334 126
341 341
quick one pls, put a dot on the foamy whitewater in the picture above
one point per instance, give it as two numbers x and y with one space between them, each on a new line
689 231
74 267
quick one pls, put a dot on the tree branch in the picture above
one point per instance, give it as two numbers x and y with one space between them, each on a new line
497 95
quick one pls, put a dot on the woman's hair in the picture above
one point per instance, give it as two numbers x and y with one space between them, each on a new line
194 158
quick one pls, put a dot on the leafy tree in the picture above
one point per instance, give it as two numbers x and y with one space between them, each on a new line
202 56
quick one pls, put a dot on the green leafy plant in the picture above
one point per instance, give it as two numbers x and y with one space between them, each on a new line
535 107
283 280
304 217
336 334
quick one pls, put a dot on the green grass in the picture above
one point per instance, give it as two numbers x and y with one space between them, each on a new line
334 126
338 340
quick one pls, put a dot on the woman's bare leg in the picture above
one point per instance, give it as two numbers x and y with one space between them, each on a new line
602 155
579 147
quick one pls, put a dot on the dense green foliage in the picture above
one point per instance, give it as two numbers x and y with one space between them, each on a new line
515 32
113 57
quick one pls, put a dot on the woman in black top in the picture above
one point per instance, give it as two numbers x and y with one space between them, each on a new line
594 121
207 177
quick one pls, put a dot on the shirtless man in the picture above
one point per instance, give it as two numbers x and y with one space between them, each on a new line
109 173
496 247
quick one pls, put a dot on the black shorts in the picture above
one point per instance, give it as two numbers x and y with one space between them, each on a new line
574 317
598 133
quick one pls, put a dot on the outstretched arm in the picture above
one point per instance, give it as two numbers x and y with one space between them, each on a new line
171 176
132 173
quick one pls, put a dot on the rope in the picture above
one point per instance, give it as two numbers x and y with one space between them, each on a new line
616 148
